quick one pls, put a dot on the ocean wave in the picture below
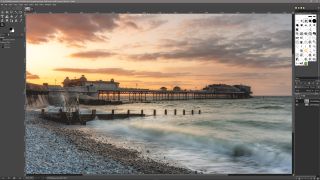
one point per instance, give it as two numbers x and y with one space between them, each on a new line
270 107
262 124
270 156
212 123
256 154
249 123
269 159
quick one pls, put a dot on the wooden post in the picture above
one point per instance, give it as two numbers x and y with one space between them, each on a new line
128 112
112 112
141 111
94 112
199 111
184 112
154 112
165 112
192 112
175 111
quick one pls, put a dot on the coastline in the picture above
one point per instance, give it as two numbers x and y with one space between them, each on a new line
52 148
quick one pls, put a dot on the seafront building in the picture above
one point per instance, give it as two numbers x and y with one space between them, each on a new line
225 88
83 85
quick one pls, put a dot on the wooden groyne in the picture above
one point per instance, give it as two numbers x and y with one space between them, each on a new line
79 118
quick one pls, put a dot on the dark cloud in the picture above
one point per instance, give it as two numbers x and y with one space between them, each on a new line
252 51
131 24
121 72
92 54
221 21
151 21
268 41
31 76
155 24
239 22
237 75
172 43
246 75
76 29
73 29
168 84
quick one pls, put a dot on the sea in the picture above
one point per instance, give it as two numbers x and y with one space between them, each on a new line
229 136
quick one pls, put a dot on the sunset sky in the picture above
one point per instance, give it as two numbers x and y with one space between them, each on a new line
155 50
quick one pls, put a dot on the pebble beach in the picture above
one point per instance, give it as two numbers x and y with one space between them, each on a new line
53 148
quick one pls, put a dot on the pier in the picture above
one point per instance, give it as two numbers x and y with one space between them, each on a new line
118 97
159 95
115 95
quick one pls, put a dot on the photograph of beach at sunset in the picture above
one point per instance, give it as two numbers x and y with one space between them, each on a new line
158 94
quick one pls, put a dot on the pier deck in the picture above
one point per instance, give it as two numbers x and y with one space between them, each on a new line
158 95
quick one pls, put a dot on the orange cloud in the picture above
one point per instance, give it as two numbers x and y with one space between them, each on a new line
76 29
121 72
31 76
73 29
91 54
